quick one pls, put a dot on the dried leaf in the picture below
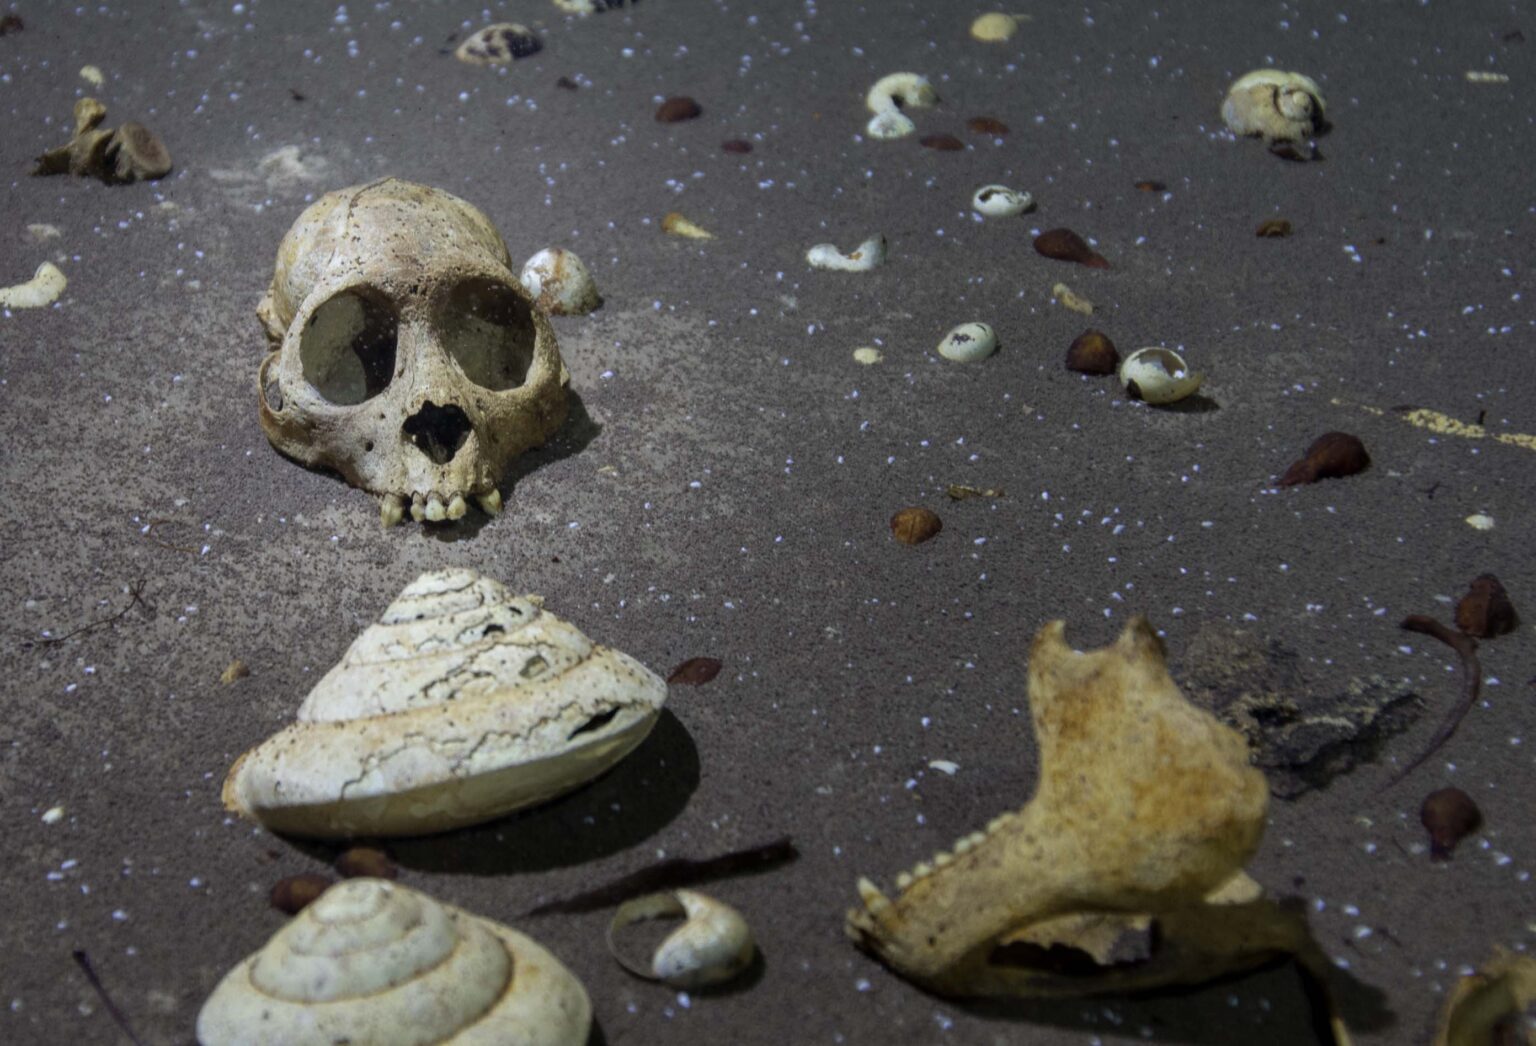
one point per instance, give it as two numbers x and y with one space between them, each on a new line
696 671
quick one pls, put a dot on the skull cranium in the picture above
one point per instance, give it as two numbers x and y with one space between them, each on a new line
405 354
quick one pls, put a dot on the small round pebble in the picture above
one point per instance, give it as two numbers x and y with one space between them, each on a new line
968 342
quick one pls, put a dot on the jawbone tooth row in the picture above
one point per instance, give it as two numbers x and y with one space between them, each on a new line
873 899
431 508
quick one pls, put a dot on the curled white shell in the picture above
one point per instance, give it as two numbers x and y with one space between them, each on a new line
901 91
999 201
375 962
560 283
862 258
1158 375
1276 105
461 704
44 288
713 945
889 124
968 343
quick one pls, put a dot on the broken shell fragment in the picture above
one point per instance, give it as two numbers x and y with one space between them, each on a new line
994 27
890 124
44 288
1091 352
968 343
1449 815
867 355
376 962
901 91
862 258
1486 611
1274 105
999 201
674 224
1070 299
1066 245
498 44
461 704
1157 375
560 283
1333 455
713 945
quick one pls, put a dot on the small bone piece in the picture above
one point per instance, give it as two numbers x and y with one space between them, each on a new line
44 288
373 962
713 945
461 704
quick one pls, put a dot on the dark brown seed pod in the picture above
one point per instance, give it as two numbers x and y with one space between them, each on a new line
1332 455
11 24
1066 245
736 145
293 894
677 109
944 143
987 125
1450 816
1485 611
1152 185
140 156
366 862
1272 228
913 526
1091 352
696 671
565 83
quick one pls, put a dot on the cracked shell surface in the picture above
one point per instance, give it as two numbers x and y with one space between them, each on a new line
460 704
374 963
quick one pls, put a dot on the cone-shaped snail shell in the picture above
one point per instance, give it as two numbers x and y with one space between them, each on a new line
373 962
462 703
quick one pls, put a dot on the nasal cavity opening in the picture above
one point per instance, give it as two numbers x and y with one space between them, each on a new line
347 347
438 432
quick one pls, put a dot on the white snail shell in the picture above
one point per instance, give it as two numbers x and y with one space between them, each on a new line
1276 105
462 703
560 283
1158 375
374 963
713 945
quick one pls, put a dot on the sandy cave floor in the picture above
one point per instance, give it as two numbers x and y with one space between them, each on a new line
725 483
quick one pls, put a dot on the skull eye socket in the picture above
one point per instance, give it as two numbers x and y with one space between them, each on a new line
487 328
347 348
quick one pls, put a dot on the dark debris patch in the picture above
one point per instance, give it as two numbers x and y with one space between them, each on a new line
696 671
677 109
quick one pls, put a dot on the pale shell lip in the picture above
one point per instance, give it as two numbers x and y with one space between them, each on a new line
713 945
1157 375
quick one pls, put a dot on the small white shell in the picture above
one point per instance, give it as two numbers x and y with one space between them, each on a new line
890 124
968 342
901 91
1158 375
461 704
999 201
1276 105
375 962
44 288
862 258
867 355
498 44
560 283
994 27
713 945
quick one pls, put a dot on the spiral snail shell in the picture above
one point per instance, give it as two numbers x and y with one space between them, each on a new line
461 704
374 963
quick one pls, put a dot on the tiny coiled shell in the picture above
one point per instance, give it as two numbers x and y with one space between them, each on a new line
373 962
999 201
862 258
969 342
1158 375
560 283
461 704
901 91
713 945
1276 105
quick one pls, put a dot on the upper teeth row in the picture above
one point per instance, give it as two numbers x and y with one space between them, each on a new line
876 901
432 507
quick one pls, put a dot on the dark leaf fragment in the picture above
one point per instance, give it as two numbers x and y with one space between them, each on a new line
944 143
1485 611
913 526
1333 455
696 671
987 125
1066 245
1450 816
677 109
1091 352
295 893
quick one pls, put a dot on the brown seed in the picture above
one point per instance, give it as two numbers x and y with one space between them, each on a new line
11 24
1091 352
1450 815
1271 228
677 109
944 143
1332 455
1485 611
1152 185
1066 245
736 145
366 862
696 671
913 526
293 894
987 125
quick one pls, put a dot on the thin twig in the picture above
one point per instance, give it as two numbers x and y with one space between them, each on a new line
670 874
135 590
84 962
1471 683
148 531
